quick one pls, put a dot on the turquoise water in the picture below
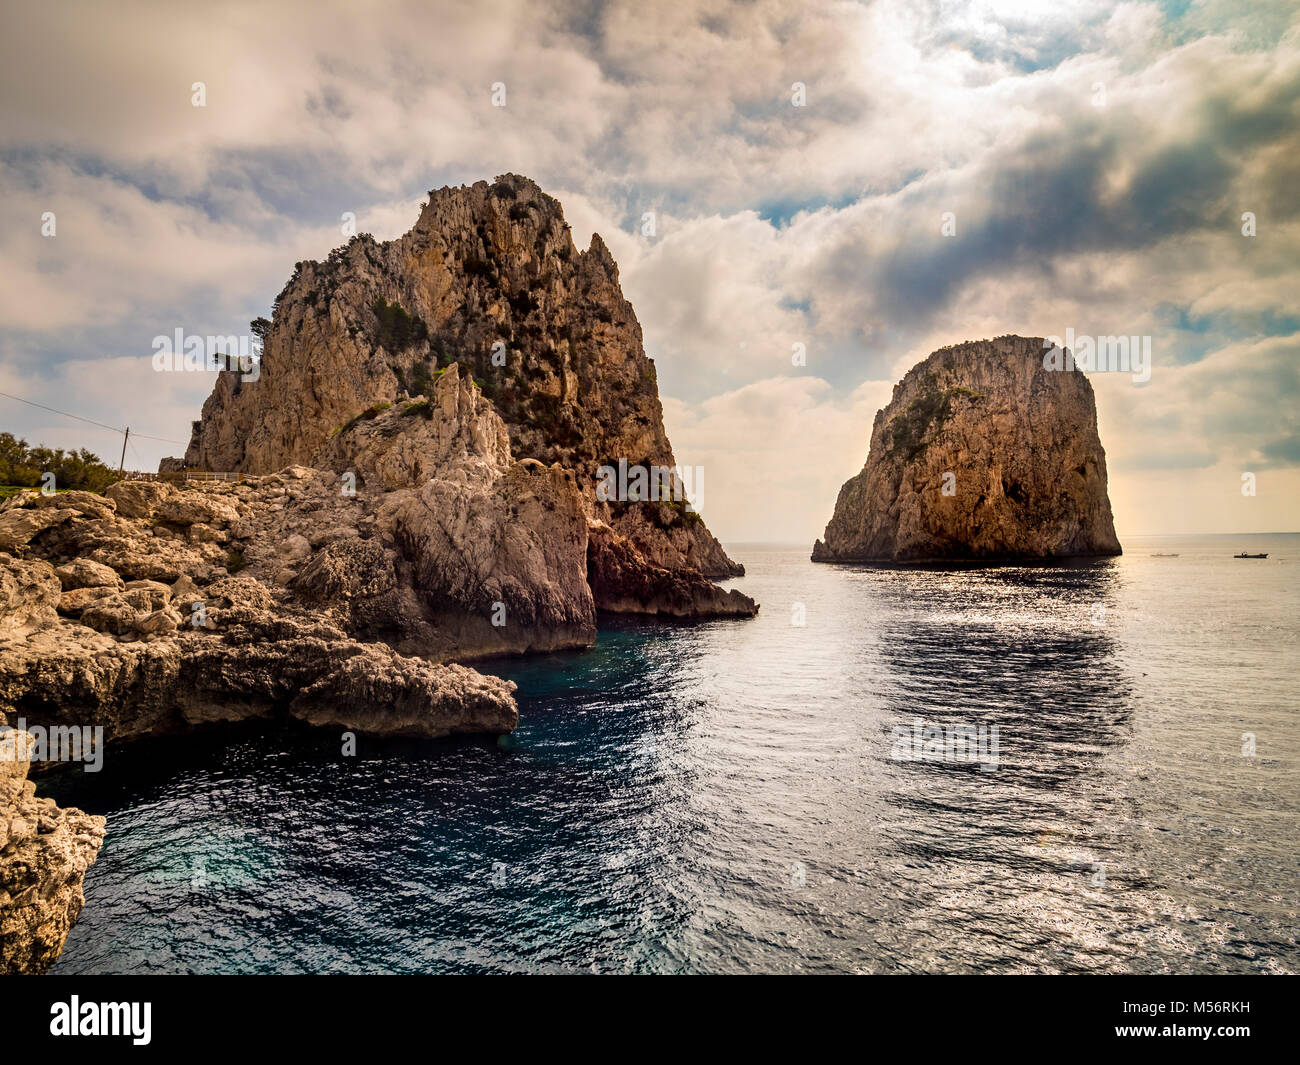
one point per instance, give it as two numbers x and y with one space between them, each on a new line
721 797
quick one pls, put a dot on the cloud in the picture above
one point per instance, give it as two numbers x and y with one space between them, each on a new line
1098 160
775 453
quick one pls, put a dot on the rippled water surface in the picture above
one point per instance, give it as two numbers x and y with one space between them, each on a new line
722 797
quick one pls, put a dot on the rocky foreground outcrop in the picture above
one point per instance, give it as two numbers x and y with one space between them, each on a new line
157 607
123 612
488 278
339 599
44 854
982 453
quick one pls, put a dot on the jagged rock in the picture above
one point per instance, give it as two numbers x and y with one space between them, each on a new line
18 527
112 614
260 654
184 590
151 595
194 507
206 534
138 499
495 549
508 562
489 278
1015 444
163 620
623 580
454 433
157 562
245 594
75 601
83 573
400 704
85 504
29 597
347 570
44 854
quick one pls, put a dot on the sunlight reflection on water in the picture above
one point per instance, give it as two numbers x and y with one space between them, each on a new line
721 796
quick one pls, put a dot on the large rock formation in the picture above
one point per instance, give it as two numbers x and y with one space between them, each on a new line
44 854
489 277
454 393
981 454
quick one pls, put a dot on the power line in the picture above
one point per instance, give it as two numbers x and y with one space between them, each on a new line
78 417
146 436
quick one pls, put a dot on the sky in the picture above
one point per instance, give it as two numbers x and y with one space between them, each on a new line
871 181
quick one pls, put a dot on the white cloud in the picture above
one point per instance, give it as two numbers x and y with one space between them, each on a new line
775 453
776 224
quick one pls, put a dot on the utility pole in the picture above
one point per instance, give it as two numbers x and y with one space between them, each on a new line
122 463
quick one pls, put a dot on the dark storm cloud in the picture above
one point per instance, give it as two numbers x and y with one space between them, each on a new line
1050 196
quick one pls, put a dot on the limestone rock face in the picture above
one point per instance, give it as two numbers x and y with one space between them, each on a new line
494 550
490 278
44 854
1028 473
406 445
29 598
172 638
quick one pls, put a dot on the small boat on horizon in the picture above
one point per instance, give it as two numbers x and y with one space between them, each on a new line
1161 555
1244 555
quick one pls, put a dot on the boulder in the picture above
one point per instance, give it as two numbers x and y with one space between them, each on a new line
29 597
139 499
86 573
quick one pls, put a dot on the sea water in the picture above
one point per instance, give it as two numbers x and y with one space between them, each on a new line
732 796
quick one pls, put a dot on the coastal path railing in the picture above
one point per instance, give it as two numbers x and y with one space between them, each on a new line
180 475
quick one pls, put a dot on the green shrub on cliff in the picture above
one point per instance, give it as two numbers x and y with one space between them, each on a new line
421 379
398 330
909 434
908 430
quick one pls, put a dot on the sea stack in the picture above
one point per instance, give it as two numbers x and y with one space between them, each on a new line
488 279
981 454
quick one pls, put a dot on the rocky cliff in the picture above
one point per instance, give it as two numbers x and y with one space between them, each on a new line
493 549
44 854
981 454
488 278
437 408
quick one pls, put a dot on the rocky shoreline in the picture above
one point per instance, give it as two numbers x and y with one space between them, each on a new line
44 854
343 600
412 487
